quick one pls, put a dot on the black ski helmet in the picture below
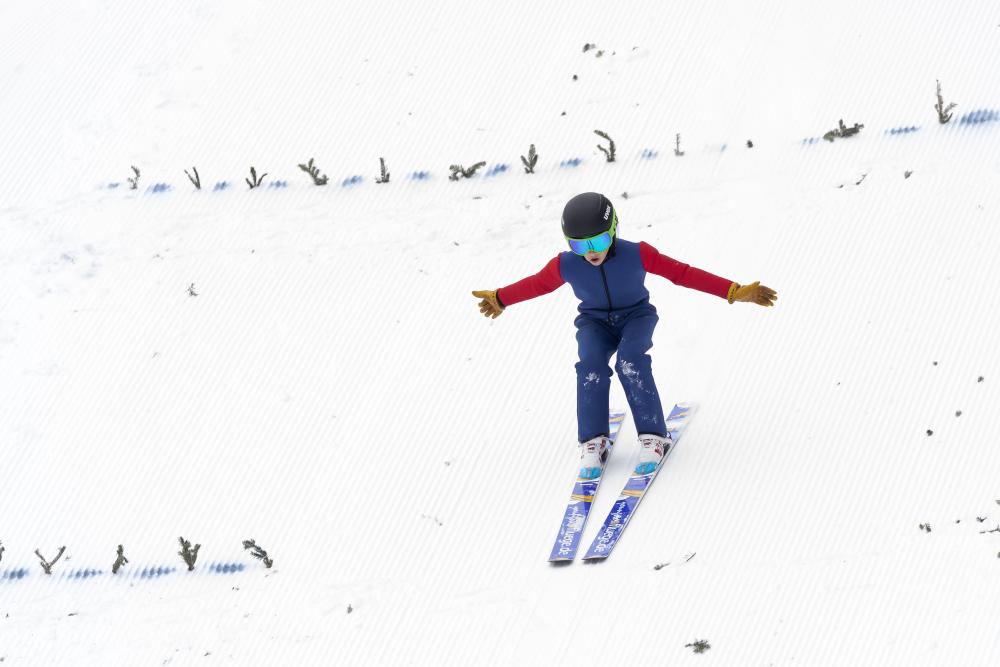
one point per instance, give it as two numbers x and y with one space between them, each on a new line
586 215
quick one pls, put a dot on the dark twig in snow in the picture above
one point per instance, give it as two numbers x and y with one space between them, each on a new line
384 178
121 560
196 179
47 565
256 182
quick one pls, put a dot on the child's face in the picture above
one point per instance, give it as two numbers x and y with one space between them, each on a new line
596 258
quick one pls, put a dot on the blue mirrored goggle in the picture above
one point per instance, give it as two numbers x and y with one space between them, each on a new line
598 243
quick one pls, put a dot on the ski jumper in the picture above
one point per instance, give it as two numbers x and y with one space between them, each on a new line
615 315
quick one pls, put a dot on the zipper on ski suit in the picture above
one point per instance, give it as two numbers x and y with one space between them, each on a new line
607 291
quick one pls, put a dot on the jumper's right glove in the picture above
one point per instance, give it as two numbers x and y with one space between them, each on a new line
755 293
490 305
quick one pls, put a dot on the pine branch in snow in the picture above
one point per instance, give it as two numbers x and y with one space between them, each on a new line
698 646
530 161
313 171
843 131
47 565
677 147
134 181
609 153
943 112
257 552
458 171
190 555
1 551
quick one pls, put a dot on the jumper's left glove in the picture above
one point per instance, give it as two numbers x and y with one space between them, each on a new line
490 305
754 293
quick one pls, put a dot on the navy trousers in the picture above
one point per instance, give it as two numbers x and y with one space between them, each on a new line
631 336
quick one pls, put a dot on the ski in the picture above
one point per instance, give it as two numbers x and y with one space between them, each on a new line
635 487
580 501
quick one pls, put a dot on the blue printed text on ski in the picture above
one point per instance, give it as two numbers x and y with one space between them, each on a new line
580 502
632 493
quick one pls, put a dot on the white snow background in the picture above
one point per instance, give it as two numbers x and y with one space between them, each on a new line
333 392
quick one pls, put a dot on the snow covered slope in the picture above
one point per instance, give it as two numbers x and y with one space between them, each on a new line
305 365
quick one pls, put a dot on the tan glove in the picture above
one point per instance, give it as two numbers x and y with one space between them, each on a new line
754 293
490 305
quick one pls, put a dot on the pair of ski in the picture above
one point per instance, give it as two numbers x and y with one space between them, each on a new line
575 518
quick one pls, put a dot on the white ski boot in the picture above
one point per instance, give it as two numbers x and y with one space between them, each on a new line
593 453
652 449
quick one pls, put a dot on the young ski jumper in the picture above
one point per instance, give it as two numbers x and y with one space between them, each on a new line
607 274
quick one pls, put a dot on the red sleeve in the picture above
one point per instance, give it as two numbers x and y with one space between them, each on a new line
682 274
541 283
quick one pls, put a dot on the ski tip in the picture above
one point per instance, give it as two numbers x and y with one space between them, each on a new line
560 562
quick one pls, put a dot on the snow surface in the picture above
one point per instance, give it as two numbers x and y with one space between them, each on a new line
333 392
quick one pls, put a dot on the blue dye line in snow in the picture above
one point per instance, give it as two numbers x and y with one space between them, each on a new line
980 116
811 140
278 184
144 573
82 574
226 568
159 187
221 185
497 169
420 175
153 572
112 186
903 130
351 182
649 154
572 162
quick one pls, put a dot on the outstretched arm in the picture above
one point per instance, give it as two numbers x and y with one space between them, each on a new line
688 276
494 301
682 274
